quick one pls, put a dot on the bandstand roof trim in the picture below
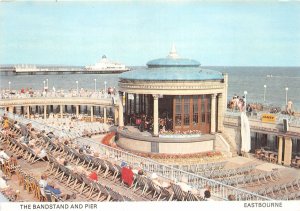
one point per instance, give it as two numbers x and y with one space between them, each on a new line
173 62
172 74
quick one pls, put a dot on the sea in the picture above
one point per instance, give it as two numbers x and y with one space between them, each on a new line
250 79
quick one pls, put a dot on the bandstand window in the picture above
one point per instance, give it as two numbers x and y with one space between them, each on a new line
178 111
192 113
195 110
186 110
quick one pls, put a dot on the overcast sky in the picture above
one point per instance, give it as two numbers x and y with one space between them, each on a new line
79 33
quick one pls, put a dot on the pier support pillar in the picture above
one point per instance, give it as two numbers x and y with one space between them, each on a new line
92 113
280 150
104 115
121 120
45 111
28 112
61 111
155 115
213 114
287 151
77 111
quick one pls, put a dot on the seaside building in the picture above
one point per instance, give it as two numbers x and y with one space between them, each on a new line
181 103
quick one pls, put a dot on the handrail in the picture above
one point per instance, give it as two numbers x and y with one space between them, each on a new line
293 120
218 189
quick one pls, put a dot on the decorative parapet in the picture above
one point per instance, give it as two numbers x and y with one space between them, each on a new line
56 101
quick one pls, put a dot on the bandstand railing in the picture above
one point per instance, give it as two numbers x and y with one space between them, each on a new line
219 190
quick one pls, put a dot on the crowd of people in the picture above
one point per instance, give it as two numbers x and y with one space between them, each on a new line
31 93
237 103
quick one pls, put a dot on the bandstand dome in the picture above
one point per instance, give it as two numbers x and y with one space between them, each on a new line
172 68
172 74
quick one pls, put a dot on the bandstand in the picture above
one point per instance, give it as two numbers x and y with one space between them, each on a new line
179 104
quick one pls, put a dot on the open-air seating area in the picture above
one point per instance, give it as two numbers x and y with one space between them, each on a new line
296 162
266 155
202 167
225 173
74 126
108 170
254 179
289 190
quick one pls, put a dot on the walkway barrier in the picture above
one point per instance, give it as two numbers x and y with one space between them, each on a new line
219 190
293 120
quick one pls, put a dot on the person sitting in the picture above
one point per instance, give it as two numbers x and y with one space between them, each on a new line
231 197
207 196
155 180
13 160
3 184
42 184
67 165
3 156
60 160
202 191
93 176
53 187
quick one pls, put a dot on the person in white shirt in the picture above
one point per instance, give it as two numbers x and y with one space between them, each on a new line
3 184
3 156
43 183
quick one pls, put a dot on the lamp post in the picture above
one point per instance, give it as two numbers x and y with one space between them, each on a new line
286 94
9 85
46 84
105 86
245 93
265 89
77 87
95 84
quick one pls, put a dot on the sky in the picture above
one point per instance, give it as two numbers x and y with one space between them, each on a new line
134 32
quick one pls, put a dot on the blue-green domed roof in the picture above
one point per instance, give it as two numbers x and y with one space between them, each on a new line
172 68
172 74
173 62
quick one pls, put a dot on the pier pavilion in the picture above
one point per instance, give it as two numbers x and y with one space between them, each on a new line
176 93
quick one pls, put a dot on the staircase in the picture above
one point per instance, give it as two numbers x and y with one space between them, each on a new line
229 141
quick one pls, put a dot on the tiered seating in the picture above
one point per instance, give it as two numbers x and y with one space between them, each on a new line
74 126
280 191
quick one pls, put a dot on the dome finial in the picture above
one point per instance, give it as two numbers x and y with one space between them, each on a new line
173 54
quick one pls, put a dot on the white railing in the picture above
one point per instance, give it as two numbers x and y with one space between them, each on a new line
293 120
219 190
7 94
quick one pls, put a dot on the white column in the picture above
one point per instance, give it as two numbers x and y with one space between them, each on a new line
92 113
45 111
220 112
280 150
116 114
77 111
155 115
288 144
104 114
225 90
61 111
28 112
213 114
11 109
147 104
121 120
